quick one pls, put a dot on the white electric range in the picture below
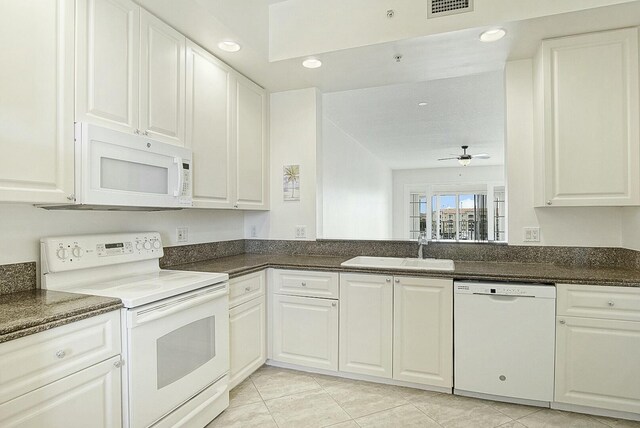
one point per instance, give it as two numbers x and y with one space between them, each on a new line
175 324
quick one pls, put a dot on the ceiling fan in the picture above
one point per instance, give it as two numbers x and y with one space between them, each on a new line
465 159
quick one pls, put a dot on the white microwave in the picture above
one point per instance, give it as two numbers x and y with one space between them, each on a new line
117 170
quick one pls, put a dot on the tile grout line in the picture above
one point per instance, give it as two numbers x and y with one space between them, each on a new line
264 402
336 401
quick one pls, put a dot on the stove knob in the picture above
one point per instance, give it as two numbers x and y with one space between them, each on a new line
156 244
147 245
62 253
77 252
138 245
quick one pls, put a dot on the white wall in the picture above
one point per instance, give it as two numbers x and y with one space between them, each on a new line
630 228
356 188
429 176
295 129
22 226
574 226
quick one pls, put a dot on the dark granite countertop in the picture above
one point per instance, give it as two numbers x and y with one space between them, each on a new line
27 312
464 270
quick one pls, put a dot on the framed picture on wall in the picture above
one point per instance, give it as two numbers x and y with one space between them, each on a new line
291 182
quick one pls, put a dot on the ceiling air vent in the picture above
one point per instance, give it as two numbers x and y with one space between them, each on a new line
437 8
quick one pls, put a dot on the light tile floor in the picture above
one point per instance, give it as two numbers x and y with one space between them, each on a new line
279 398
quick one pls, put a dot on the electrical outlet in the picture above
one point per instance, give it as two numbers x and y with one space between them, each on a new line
183 234
531 234
254 233
301 232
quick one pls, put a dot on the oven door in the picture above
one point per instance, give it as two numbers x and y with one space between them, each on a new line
176 348
116 168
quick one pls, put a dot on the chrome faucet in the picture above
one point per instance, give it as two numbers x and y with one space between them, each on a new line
422 241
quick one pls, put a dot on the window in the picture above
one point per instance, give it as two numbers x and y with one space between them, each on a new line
499 214
418 214
459 217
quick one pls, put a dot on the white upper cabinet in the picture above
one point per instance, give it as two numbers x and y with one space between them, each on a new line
36 101
108 61
588 146
162 83
252 150
209 129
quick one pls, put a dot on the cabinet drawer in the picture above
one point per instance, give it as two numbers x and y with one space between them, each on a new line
305 283
37 360
594 301
245 288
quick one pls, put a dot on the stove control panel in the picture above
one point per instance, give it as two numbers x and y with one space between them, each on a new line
83 251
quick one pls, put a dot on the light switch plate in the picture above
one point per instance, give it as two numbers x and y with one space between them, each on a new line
531 234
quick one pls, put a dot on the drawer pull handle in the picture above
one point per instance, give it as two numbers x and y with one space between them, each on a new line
118 364
304 284
562 322
61 354
610 303
247 289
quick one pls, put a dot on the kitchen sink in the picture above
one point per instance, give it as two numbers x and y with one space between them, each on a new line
400 263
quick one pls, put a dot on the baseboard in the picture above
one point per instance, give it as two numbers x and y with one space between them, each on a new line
596 411
366 378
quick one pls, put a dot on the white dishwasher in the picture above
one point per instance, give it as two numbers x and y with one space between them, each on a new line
504 341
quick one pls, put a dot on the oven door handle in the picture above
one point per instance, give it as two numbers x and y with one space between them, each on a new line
162 310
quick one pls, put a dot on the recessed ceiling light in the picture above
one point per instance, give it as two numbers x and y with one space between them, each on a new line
493 35
422 104
229 46
311 63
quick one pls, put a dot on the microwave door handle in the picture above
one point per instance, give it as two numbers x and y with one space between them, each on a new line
178 161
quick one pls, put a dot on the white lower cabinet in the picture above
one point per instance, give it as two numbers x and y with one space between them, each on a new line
68 376
366 324
305 331
88 398
597 355
423 331
247 326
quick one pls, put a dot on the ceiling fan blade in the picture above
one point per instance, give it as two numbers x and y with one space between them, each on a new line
481 156
447 158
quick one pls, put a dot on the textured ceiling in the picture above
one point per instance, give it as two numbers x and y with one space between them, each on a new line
389 123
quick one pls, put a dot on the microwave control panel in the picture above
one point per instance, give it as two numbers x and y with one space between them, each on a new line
184 192
78 252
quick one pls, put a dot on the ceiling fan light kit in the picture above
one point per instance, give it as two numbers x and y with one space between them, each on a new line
465 159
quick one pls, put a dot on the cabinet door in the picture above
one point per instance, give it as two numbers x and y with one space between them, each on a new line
590 119
88 398
305 331
247 331
108 61
366 324
209 129
252 151
597 363
423 331
36 83
162 80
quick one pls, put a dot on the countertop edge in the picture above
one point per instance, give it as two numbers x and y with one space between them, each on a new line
57 321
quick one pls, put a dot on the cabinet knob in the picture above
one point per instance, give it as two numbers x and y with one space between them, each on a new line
333 305
610 303
235 205
562 322
304 284
61 354
397 281
247 289
145 133
548 202
71 197
137 132
118 364
388 279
